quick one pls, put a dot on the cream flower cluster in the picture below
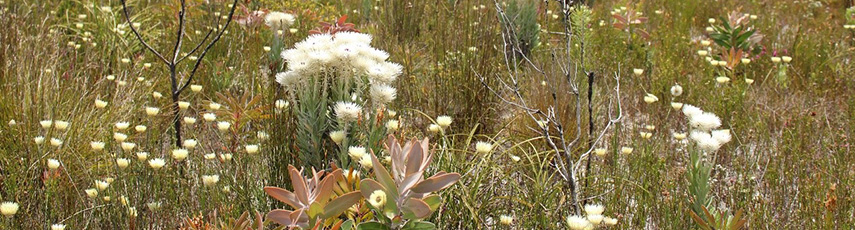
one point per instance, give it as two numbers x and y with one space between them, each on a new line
704 125
345 56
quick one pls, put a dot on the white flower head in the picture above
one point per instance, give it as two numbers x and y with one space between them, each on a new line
443 121
279 20
338 136
577 222
156 163
705 121
356 152
676 90
210 180
482 147
383 93
53 164
8 208
392 125
347 111
594 209
180 154
691 111
377 198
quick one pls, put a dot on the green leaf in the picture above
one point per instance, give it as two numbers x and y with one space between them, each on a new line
433 201
419 225
347 225
314 210
372 226
340 204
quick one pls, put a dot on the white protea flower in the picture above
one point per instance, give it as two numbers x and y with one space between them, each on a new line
152 111
140 128
638 72
577 222
190 143
338 136
594 209
356 152
46 124
626 150
97 145
609 221
223 126
142 156
443 121
705 121
52 164
61 125
676 90
650 98
182 105
128 146
366 161
180 154
676 105
196 88
482 147
123 162
377 198
506 219
9 208
101 185
595 219
55 142
691 111
347 111
122 125
288 78
600 151
279 20
746 61
91 192
383 93
776 59
156 163
786 59
209 116
214 106
39 140
100 104
251 149
210 180
57 227
722 136
392 125
189 120
705 141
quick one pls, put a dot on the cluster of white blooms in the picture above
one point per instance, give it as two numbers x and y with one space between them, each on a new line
593 217
704 125
342 56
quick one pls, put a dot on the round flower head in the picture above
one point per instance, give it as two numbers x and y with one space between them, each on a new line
46 124
705 141
705 121
182 105
600 151
123 162
189 120
703 53
142 156
55 142
595 219
210 180
722 136
91 193
366 161
100 104
152 111
626 150
434 128
251 149
482 147
122 125
377 198
281 104
209 116
156 163
676 105
506 219
226 157
347 111
392 125
637 72
127 146
691 111
190 143
676 90
61 125
679 136
8 208
39 140
594 209
786 59
650 98
101 185
57 227
577 222
382 93
356 152
140 128
609 221
745 61
196 88
443 121
722 79
179 154
224 126
338 136
53 164
214 106
97 145
156 95
776 59
278 20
